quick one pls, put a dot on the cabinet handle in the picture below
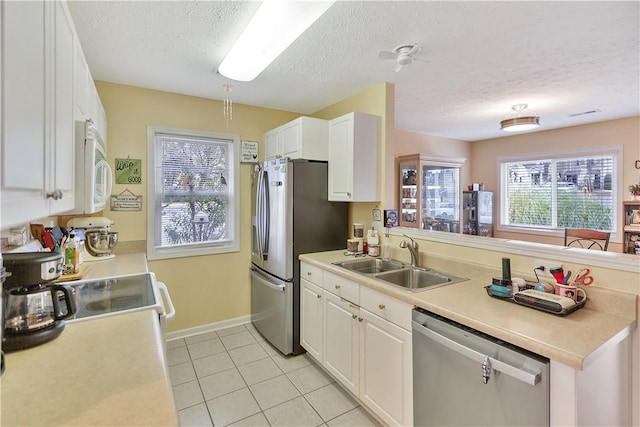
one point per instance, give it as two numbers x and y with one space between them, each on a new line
336 286
360 319
55 195
308 273
354 316
381 306
348 194
318 296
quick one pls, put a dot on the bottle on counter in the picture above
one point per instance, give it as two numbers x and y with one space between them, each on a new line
72 255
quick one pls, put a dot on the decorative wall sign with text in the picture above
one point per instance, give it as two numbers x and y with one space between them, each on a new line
126 202
249 151
128 171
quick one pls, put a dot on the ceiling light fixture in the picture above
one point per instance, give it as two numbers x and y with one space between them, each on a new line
524 120
276 25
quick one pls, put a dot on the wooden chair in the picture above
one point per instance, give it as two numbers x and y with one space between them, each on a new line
587 239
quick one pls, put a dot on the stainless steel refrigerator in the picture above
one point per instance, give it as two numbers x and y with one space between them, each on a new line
290 216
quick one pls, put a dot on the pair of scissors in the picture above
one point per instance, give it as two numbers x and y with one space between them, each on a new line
583 278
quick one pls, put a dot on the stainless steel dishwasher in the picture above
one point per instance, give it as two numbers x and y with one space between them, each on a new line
463 377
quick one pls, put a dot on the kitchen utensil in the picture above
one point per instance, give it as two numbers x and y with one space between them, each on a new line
566 278
583 278
100 243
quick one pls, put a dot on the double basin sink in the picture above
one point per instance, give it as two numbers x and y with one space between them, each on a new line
414 279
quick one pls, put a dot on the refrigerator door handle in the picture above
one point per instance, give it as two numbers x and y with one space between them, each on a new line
258 219
265 213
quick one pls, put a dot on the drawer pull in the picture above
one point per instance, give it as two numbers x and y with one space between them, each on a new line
337 286
381 306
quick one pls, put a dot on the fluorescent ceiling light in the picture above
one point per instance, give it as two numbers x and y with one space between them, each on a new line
276 24
522 120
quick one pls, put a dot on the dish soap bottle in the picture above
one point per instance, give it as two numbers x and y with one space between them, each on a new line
71 255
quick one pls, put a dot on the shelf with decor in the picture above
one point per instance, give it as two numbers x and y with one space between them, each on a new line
631 227
430 192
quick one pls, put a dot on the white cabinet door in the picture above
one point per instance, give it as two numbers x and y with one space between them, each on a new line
311 318
24 154
386 383
271 144
80 78
354 145
342 341
291 139
62 145
341 159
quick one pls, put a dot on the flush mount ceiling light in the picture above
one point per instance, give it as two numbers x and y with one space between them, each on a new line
276 24
523 120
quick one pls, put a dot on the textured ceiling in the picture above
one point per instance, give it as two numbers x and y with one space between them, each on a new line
478 58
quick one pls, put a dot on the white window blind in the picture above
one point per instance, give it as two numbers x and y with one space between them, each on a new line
194 207
575 191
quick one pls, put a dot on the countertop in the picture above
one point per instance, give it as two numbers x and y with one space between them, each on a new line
121 265
573 340
108 371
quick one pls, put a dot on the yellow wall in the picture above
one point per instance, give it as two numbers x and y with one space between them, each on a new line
204 289
623 132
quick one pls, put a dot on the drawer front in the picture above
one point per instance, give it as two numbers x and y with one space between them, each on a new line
311 273
387 307
342 287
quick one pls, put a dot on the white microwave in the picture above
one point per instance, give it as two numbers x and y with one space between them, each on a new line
94 178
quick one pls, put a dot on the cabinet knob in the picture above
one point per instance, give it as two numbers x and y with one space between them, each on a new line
360 319
354 316
318 296
308 273
381 306
348 194
337 286
55 195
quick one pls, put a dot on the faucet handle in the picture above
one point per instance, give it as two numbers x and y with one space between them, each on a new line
413 242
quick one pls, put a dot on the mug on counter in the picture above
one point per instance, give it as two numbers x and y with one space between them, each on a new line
570 291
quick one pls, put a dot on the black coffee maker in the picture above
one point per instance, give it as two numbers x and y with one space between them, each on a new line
34 309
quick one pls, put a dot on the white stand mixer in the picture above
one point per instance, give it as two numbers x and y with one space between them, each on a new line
99 240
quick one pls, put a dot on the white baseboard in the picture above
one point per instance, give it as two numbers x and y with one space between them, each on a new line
184 333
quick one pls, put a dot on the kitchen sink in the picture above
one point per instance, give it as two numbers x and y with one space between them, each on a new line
418 279
396 273
370 265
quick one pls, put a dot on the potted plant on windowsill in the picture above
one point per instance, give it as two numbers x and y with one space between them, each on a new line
634 189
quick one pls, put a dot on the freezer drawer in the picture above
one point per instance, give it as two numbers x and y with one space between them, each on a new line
272 309
465 378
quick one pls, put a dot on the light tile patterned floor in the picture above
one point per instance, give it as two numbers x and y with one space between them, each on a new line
234 377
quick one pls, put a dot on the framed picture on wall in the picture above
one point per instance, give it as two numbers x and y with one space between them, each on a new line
390 218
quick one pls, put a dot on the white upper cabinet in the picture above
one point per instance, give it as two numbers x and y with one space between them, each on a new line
37 110
302 138
354 153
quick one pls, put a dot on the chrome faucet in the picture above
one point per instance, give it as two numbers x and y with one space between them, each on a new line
413 249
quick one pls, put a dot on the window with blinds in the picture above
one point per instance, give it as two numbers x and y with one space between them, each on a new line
192 208
576 191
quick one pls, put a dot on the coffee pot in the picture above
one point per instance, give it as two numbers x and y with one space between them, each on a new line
34 308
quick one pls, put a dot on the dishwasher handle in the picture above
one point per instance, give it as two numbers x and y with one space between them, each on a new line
495 364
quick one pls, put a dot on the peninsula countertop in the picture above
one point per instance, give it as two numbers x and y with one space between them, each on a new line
574 340
107 371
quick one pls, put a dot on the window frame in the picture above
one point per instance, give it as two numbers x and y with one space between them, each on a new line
153 202
616 151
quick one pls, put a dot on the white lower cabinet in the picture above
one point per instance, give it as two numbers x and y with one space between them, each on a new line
366 347
386 383
311 318
342 341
